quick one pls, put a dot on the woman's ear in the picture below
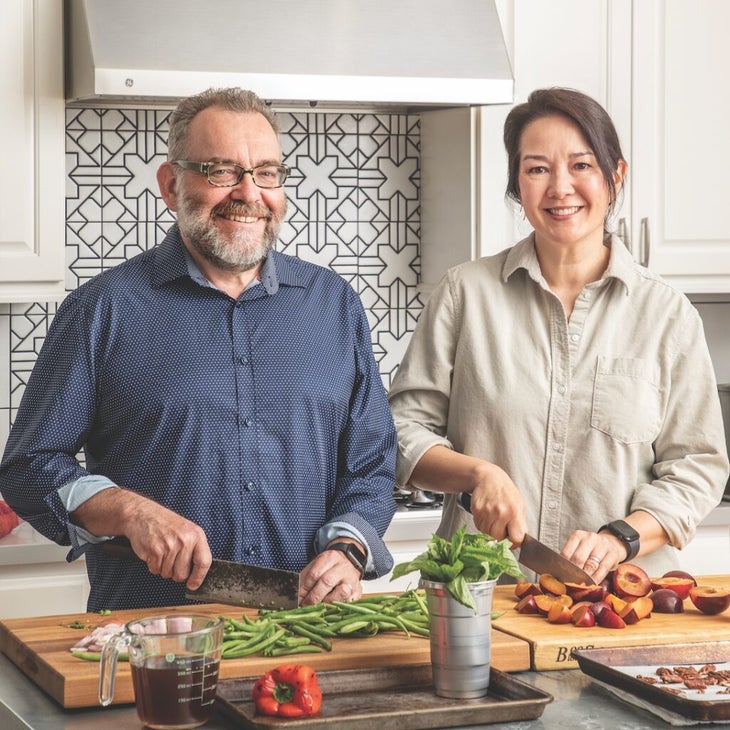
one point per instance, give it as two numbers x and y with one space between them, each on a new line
167 182
620 175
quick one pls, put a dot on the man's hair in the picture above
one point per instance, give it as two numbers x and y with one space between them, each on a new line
232 99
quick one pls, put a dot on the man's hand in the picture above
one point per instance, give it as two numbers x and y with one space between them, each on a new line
329 577
171 545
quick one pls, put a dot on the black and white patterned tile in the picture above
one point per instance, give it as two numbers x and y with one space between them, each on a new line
354 197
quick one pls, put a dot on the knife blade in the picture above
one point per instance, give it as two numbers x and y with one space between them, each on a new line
237 584
537 556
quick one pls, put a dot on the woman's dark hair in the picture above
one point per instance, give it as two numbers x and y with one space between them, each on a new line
592 120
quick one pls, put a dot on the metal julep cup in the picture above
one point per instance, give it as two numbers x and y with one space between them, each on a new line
461 640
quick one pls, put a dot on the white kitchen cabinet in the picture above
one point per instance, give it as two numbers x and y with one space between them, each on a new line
679 156
464 213
32 218
658 66
45 589
36 580
709 551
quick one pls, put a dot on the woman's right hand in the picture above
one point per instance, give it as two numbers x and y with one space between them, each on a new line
497 506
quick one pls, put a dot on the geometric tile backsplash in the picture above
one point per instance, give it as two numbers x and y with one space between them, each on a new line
354 206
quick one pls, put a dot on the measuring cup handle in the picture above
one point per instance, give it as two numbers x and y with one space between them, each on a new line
108 668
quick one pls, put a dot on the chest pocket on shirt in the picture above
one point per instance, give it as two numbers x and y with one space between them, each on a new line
626 402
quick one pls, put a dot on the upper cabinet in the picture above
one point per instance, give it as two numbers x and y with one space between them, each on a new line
32 129
659 67
679 153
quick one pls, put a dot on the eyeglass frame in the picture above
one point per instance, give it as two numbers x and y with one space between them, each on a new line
204 169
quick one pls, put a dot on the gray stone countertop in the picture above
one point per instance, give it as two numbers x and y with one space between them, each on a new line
579 704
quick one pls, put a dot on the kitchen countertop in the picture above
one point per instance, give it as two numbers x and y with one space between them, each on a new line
578 703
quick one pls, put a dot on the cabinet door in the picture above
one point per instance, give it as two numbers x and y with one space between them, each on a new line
32 129
556 43
679 152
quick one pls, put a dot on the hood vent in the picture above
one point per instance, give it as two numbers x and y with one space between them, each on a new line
345 54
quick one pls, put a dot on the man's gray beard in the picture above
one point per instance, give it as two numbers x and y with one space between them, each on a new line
241 251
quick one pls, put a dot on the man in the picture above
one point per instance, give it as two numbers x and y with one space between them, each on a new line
225 395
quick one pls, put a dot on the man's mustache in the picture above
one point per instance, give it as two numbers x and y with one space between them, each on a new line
242 210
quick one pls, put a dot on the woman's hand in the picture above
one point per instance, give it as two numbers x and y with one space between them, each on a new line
596 554
497 506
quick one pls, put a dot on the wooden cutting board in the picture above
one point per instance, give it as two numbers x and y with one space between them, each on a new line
551 644
40 647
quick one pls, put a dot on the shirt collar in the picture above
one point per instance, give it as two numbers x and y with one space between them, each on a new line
523 256
173 261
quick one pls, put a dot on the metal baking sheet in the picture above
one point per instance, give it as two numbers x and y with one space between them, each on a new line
392 697
618 667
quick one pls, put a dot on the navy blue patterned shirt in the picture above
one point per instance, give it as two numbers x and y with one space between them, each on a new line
261 419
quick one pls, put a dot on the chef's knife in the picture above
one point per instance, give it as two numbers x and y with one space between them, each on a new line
237 584
542 559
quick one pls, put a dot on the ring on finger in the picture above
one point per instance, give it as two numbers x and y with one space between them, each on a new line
594 559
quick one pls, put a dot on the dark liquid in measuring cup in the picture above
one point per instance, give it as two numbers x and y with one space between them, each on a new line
177 694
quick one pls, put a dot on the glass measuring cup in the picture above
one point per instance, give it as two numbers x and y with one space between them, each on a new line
174 661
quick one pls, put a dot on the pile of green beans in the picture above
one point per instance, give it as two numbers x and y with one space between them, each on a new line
310 629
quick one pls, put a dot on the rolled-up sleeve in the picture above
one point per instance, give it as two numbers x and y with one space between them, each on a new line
691 466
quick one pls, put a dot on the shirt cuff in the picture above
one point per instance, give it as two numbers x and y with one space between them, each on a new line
333 530
73 495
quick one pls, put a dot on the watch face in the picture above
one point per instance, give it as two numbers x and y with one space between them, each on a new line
624 530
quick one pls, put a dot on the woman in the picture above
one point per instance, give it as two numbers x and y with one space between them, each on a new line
566 388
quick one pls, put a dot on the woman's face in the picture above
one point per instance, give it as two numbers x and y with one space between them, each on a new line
562 189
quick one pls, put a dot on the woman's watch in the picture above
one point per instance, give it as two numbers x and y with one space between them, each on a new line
627 534
352 552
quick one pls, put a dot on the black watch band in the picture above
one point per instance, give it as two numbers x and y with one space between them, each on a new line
627 534
352 552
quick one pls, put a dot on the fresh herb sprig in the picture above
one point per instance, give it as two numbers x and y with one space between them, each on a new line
466 558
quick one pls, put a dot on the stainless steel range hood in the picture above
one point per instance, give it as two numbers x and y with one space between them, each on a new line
390 54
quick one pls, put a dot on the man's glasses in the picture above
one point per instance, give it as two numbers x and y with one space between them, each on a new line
228 174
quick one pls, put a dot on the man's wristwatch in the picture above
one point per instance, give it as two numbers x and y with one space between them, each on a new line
627 534
353 553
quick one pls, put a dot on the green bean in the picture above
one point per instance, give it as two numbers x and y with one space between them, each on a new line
313 637
283 650
238 652
95 656
284 614
237 625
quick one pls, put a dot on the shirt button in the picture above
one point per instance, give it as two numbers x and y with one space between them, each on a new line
247 422
586 295
242 360
556 447
561 389
574 338
552 504
250 550
250 486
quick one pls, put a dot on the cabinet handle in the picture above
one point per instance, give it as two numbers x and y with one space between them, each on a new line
644 242
623 233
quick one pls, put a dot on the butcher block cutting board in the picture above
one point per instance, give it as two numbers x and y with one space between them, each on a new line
40 648
551 644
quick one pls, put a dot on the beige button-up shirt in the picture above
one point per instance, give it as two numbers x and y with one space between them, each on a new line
613 411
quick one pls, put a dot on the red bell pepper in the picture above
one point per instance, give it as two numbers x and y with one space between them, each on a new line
8 519
290 690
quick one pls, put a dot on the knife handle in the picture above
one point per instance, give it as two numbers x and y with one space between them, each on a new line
119 547
465 501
